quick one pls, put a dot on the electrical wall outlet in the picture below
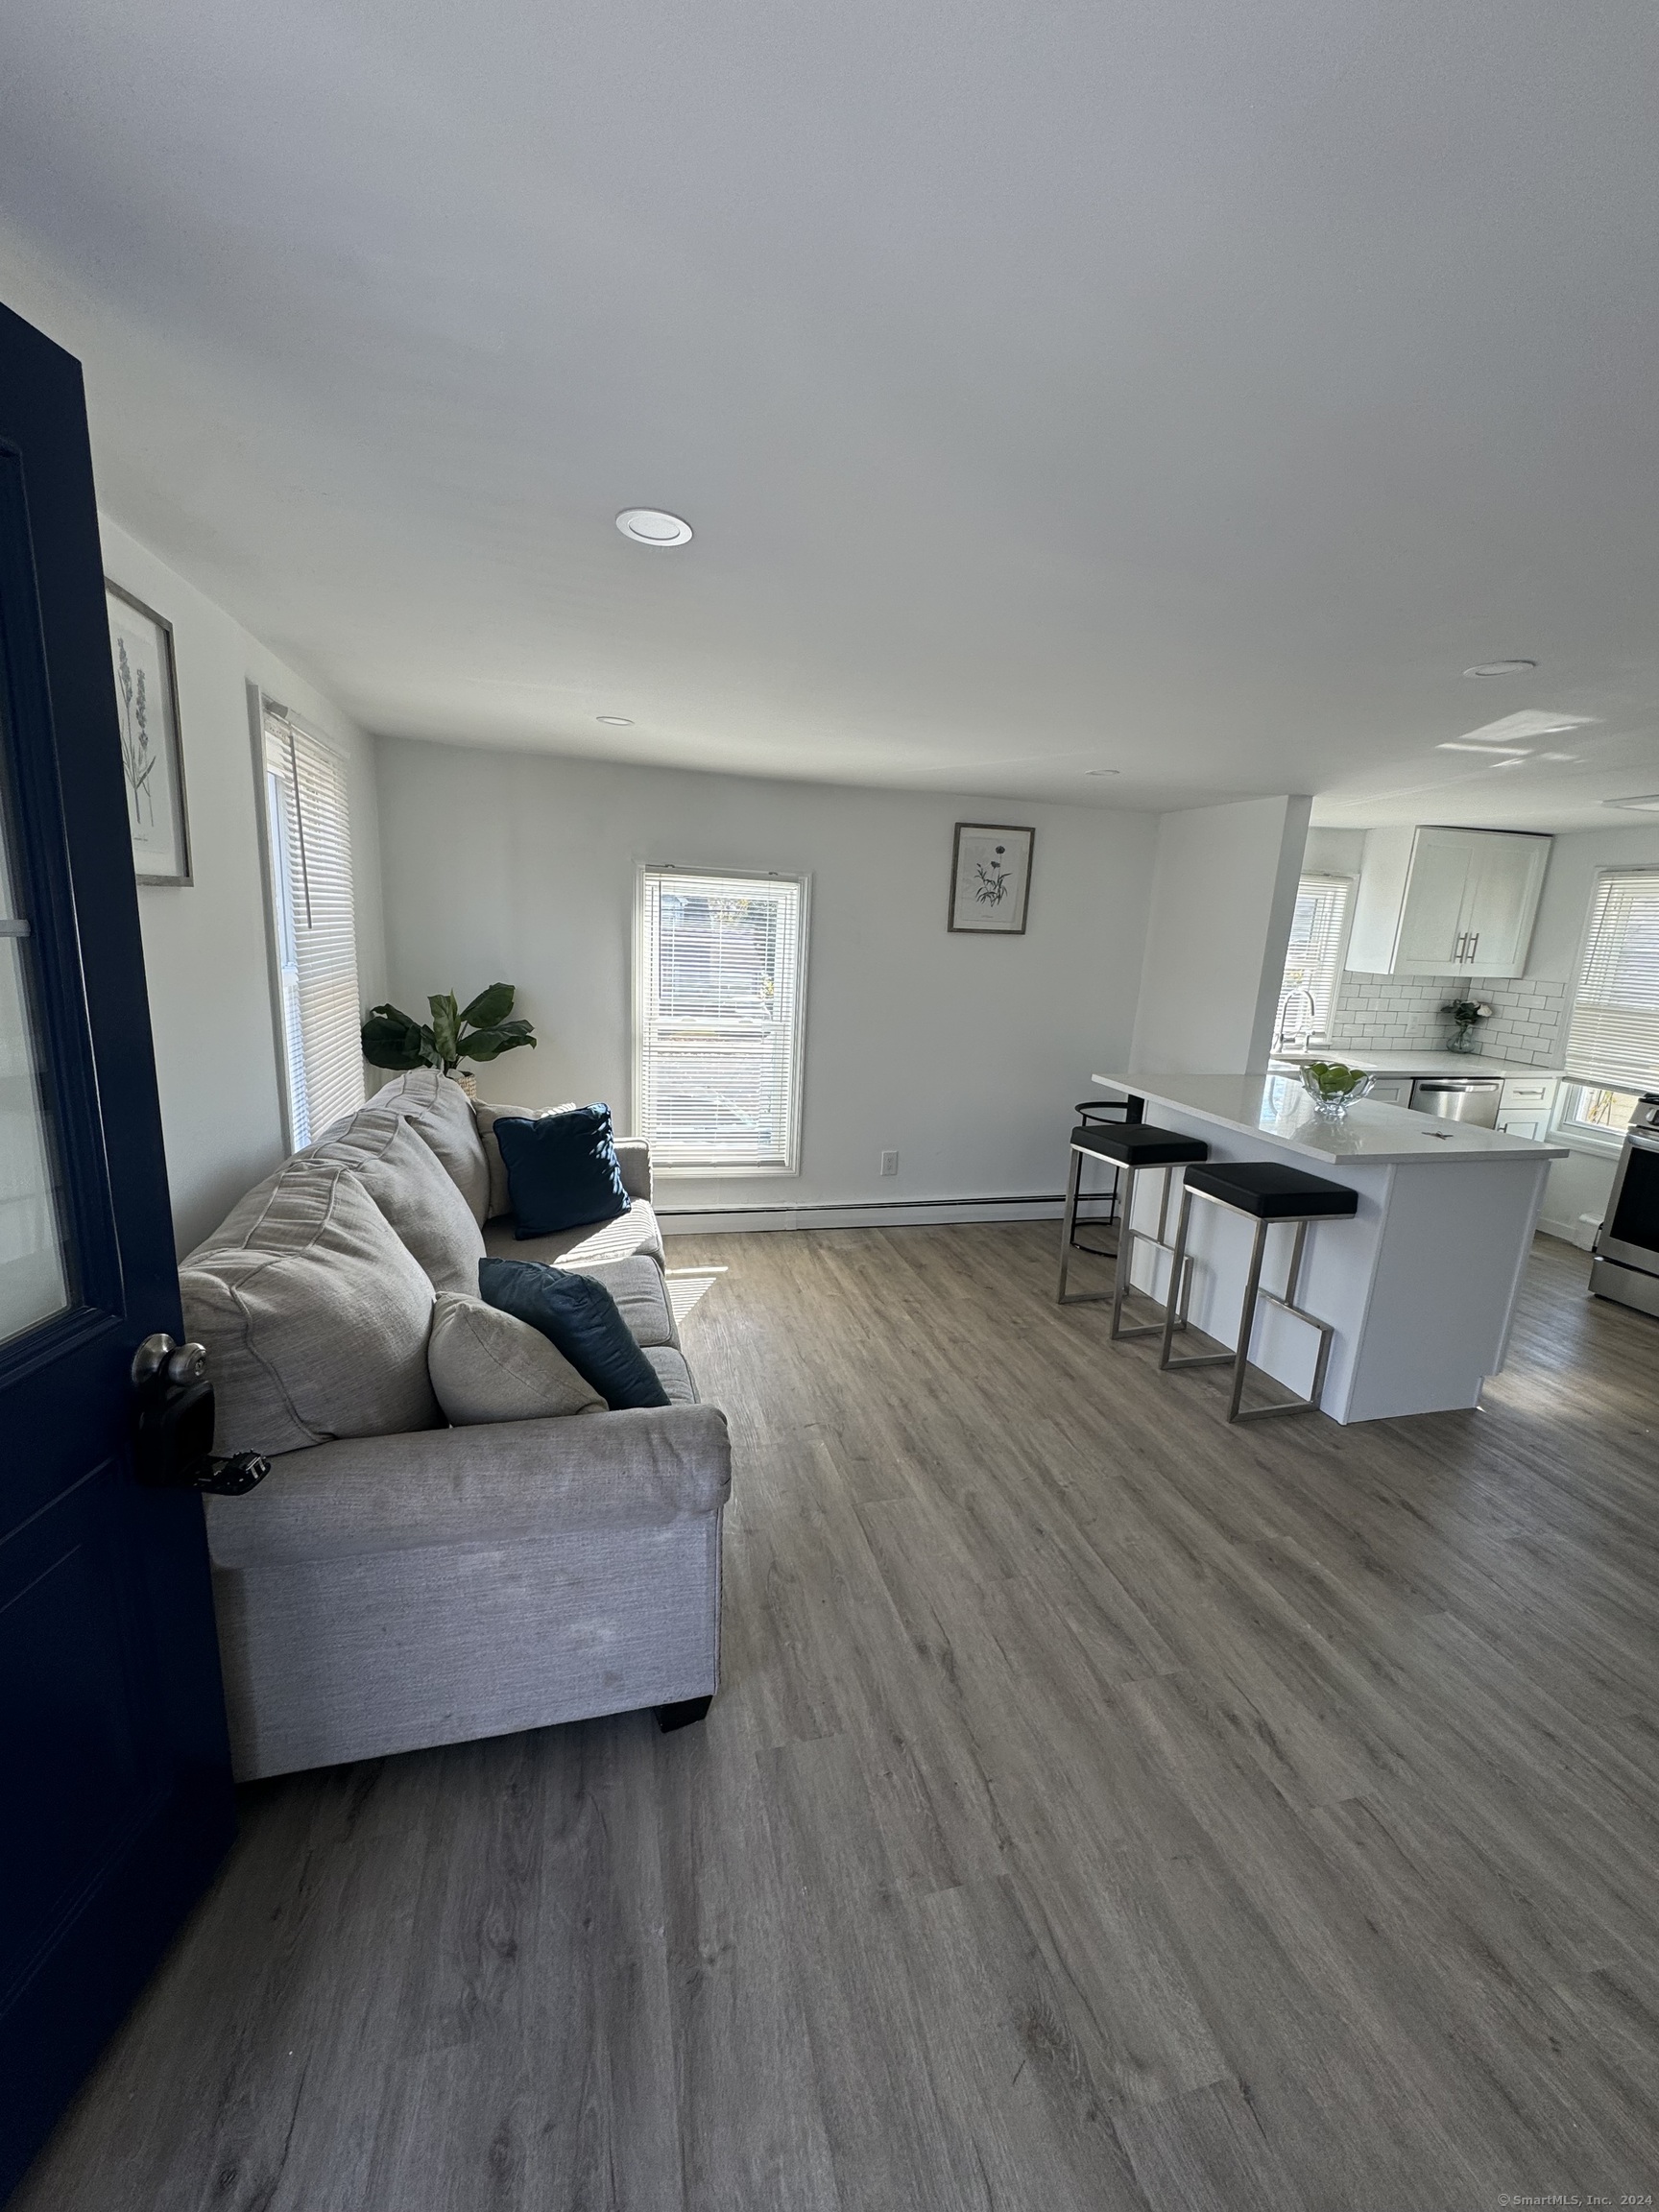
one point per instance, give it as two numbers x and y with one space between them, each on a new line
889 1162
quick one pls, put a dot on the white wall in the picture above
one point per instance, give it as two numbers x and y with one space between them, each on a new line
205 947
1222 899
964 1053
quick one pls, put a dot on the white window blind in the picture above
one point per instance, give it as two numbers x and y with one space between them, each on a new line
313 932
1314 954
722 962
1613 1033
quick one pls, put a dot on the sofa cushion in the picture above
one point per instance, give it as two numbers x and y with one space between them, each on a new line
579 1316
486 1366
316 1324
485 1116
642 1296
406 1180
669 1365
562 1170
441 1112
637 1231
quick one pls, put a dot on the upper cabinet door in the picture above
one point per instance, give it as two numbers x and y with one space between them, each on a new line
1433 928
1505 881
1436 901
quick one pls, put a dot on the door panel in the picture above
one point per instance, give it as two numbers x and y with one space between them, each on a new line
1503 898
1432 921
118 1800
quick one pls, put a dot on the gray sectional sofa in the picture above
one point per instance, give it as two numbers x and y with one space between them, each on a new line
397 1581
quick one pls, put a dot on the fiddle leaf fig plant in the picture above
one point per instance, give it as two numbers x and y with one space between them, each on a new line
478 1031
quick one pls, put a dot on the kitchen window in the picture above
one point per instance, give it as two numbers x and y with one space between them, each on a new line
720 971
1313 955
1613 1027
313 929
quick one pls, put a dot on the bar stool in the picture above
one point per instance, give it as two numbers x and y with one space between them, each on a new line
1265 1193
1135 1147
1090 1111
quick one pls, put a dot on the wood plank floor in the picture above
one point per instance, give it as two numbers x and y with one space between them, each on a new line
1104 1809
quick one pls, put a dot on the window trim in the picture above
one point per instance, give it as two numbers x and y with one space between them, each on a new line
262 708
1588 1135
802 878
1350 883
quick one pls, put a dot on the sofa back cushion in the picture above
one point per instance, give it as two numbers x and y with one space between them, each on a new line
407 1181
315 1323
441 1112
486 1366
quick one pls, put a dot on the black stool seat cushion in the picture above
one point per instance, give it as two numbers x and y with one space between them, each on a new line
1273 1192
1138 1144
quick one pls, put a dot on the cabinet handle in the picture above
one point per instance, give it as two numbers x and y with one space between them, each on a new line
1473 946
1457 948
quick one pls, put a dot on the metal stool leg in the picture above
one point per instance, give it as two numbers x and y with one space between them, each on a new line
1069 1222
1166 1353
1326 1329
1247 1318
1180 1272
1071 1241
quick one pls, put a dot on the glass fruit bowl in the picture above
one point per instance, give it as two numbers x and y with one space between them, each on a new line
1333 1086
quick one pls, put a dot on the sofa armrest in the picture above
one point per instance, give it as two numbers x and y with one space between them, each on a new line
499 1483
634 1159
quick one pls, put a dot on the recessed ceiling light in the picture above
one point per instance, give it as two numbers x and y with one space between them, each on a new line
1502 668
1649 805
651 526
616 721
1103 771
1464 745
1560 755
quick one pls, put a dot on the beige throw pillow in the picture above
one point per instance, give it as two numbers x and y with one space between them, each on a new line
486 1366
487 1116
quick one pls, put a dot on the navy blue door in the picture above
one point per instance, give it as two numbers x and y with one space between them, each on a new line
115 1799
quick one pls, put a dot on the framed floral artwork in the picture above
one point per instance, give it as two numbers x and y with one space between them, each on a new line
152 759
991 878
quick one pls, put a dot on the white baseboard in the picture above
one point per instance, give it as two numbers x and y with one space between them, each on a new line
882 1214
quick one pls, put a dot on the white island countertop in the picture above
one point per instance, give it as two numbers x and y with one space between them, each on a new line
1428 1063
1276 1109
1418 1283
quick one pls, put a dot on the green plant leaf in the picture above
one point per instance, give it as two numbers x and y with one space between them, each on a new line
491 1008
490 1044
394 1039
445 1028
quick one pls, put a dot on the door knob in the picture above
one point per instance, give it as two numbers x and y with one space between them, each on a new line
173 1425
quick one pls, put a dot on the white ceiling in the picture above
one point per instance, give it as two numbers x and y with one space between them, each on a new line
1186 388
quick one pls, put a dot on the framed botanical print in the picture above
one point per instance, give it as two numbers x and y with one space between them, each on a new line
152 759
991 878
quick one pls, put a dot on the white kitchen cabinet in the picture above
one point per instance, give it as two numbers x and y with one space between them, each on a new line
1527 1105
1390 1090
1442 902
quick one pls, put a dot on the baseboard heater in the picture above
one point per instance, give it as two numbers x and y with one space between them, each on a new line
813 1215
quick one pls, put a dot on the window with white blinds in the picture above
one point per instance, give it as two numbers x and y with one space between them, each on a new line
1314 954
720 981
1613 1031
313 934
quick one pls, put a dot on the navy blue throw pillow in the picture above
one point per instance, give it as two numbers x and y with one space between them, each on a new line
562 1170
579 1317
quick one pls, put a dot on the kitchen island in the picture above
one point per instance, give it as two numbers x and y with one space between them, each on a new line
1420 1283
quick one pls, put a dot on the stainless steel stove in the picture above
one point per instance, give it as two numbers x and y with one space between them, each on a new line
1627 1261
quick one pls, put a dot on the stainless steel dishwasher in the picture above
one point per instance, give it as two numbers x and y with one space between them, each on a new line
1458 1098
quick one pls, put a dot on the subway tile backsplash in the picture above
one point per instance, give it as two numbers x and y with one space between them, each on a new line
1401 1014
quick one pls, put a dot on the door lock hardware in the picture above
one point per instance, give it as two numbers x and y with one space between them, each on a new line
173 1425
